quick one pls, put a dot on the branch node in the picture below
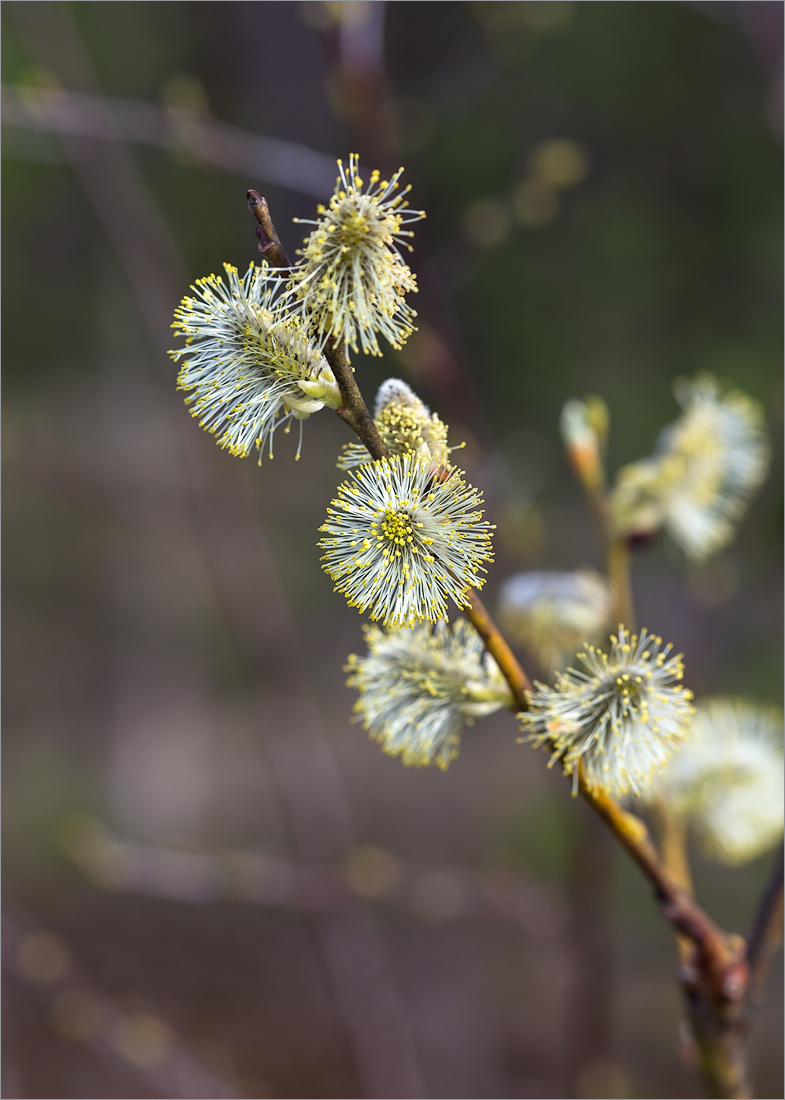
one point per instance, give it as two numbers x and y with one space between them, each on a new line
269 242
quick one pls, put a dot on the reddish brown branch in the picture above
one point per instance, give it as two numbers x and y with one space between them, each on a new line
715 973
269 242
354 410
680 911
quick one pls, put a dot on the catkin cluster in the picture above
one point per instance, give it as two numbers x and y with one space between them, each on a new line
405 538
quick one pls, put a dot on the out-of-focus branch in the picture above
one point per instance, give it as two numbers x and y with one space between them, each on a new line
427 892
766 932
586 456
140 1044
617 556
714 974
176 129
714 951
671 832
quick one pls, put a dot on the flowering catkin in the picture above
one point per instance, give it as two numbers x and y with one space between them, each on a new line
352 280
406 425
401 540
418 687
248 364
552 613
728 779
618 720
705 468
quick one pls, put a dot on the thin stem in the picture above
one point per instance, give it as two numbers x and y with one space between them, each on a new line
671 830
678 907
354 411
618 565
714 974
269 242
721 1029
587 461
766 932
590 873
617 557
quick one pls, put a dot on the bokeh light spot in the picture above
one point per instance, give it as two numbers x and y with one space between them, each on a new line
560 163
373 872
143 1040
535 204
487 222
76 1015
43 958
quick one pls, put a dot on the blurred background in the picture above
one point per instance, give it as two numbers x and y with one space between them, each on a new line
215 884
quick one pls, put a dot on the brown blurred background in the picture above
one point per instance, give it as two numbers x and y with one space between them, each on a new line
215 884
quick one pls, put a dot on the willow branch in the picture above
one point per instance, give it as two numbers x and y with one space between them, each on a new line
716 956
586 457
176 129
354 411
671 832
615 550
721 1024
269 242
715 953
